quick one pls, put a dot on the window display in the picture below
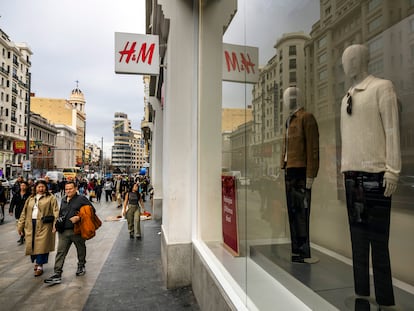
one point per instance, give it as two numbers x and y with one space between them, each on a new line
371 163
300 160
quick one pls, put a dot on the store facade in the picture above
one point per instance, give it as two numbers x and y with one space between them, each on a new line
302 64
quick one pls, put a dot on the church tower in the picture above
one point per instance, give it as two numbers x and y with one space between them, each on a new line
77 99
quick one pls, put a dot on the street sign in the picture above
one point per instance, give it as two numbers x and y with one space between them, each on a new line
27 165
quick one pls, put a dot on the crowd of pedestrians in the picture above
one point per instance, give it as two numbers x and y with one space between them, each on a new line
35 206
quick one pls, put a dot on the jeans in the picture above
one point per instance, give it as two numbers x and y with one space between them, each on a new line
369 224
66 238
298 205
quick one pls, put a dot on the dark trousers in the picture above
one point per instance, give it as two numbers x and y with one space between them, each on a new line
298 206
66 238
369 224
108 195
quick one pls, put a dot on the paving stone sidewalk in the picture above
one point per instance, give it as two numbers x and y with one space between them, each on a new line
131 278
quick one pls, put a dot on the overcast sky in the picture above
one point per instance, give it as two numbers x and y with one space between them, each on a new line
74 40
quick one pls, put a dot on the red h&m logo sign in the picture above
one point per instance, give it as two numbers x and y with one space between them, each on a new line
136 53
240 63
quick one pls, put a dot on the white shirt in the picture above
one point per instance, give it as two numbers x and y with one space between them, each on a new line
35 209
371 134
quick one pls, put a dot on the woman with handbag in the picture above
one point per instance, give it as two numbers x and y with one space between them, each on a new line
36 222
132 211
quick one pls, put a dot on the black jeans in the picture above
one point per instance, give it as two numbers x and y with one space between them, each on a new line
298 206
369 224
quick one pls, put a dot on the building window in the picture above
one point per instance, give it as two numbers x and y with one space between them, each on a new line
323 75
375 24
375 45
322 42
292 63
292 50
322 58
292 77
328 11
323 92
372 4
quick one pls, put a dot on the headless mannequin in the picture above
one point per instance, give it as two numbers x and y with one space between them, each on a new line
371 163
300 159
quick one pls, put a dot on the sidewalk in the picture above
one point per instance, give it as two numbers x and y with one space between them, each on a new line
121 274
131 278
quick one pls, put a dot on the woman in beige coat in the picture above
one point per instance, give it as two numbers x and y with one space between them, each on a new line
39 233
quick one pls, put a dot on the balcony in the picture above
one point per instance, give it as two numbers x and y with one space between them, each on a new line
4 71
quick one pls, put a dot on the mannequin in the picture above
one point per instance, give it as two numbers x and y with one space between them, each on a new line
371 164
300 160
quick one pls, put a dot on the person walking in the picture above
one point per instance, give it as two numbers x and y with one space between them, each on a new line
120 188
98 190
69 209
17 204
36 224
131 210
108 189
3 201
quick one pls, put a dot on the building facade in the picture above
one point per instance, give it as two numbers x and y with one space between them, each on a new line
121 150
66 112
14 96
43 136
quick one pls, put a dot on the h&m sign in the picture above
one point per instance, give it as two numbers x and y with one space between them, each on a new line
136 53
240 63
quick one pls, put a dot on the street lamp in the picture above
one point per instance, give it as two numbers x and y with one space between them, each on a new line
29 79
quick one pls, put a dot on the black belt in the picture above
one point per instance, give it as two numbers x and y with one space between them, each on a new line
364 175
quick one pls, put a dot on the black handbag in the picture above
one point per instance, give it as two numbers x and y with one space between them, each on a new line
48 219
60 224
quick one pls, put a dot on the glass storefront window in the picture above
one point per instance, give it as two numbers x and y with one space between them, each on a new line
283 142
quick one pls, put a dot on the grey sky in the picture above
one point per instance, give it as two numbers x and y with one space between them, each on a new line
74 40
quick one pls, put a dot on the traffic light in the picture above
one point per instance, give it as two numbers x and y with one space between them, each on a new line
49 150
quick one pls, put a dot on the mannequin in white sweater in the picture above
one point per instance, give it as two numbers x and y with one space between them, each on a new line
371 163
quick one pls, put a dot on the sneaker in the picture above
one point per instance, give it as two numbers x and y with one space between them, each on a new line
81 270
54 279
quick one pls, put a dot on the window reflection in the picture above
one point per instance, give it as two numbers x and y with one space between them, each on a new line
300 45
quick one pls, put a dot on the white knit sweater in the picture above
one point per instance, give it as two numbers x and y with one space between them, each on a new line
370 135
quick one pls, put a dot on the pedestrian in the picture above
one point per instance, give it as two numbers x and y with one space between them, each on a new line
120 188
91 189
69 209
3 201
36 224
132 211
17 203
16 186
108 189
98 190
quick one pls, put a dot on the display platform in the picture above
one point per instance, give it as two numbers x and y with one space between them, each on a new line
330 278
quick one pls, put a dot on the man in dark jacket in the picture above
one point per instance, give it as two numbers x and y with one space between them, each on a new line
69 209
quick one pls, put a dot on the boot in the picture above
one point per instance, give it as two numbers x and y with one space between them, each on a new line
21 240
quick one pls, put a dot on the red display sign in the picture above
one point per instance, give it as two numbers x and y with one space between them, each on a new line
229 213
19 146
